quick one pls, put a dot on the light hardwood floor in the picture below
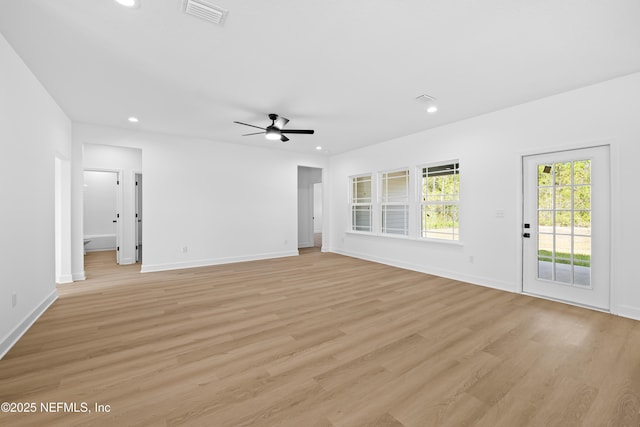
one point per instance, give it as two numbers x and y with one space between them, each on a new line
318 340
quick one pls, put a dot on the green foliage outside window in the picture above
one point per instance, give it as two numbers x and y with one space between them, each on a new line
565 187
440 195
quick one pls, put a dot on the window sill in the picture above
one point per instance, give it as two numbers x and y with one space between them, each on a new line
400 237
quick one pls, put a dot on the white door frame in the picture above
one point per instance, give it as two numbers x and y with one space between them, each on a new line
62 202
137 209
119 203
613 178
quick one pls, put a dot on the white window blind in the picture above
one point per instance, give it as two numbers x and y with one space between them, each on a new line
395 202
361 203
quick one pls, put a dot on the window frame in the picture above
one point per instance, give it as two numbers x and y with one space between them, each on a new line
422 204
353 204
382 204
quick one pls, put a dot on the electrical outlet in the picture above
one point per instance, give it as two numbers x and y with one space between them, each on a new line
14 299
185 249
471 259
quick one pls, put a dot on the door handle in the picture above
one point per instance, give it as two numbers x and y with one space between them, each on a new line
526 235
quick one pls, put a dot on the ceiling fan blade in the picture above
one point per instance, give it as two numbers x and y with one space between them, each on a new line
284 138
255 133
303 131
247 124
281 122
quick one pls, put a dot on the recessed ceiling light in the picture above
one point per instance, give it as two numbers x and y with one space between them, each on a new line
133 119
429 101
318 148
129 3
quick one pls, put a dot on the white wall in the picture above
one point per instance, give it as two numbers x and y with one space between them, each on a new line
222 202
33 132
100 209
490 148
127 162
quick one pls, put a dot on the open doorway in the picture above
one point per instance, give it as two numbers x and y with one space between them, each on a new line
101 212
309 207
138 216
317 214
126 163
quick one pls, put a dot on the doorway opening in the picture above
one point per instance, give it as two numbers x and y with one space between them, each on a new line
317 215
138 216
101 191
310 207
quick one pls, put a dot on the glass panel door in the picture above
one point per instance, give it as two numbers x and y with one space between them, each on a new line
566 226
564 222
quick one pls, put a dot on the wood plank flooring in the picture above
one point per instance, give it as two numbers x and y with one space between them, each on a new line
317 340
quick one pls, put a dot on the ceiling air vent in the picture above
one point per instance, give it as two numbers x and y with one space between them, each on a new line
204 10
425 98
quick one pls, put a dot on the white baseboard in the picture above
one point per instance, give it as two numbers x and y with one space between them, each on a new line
627 311
454 275
78 276
13 337
65 278
146 268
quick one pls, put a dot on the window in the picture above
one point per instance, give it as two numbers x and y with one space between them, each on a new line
439 201
395 202
361 203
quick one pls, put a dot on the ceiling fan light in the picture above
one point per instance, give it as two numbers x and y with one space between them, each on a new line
273 134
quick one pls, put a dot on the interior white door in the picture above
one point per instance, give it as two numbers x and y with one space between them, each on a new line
566 221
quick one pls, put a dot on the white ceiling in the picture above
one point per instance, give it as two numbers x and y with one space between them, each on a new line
351 70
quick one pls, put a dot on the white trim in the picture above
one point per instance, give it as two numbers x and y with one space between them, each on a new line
567 147
119 204
215 261
615 219
520 222
12 338
419 203
609 308
64 278
474 280
351 203
567 302
628 311
134 218
380 203
79 276
409 238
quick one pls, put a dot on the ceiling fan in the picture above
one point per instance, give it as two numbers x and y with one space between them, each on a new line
275 131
